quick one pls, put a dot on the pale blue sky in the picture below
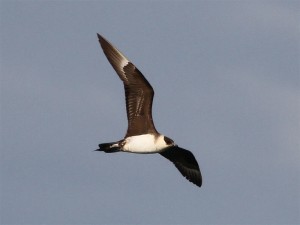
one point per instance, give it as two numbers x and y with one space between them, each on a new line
226 80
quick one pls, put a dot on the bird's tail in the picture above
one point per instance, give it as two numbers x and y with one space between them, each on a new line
109 147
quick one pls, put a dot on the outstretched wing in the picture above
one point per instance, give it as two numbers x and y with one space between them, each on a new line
138 92
185 162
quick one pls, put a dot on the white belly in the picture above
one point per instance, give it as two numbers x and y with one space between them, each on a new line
145 143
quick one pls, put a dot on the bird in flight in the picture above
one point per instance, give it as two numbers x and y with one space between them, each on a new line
141 135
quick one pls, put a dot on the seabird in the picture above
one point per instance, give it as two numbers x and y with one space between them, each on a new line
141 135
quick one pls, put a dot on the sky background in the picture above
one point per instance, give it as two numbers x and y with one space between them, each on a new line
226 80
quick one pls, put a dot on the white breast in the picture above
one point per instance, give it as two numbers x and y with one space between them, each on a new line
146 143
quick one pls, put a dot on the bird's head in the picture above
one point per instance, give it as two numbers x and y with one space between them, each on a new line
169 142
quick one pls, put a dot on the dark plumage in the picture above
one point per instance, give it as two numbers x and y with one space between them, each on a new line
141 135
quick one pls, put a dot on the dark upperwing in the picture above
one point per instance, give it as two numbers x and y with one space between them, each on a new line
185 162
138 92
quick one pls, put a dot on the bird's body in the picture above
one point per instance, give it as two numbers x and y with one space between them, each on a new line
141 136
145 143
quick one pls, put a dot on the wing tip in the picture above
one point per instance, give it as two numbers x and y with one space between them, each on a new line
100 38
198 183
196 179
